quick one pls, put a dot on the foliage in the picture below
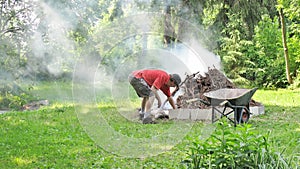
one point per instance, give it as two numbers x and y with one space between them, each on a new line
269 50
233 51
42 40
254 53
16 24
260 60
12 97
239 147
296 83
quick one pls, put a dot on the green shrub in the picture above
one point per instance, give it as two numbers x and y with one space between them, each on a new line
234 147
13 97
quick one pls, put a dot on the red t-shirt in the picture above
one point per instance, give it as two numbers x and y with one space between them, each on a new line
156 78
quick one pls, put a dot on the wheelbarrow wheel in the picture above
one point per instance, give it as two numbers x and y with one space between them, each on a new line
245 115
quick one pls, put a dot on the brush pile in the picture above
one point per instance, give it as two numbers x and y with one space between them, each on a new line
35 105
195 85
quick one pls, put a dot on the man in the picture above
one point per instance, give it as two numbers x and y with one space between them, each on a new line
147 82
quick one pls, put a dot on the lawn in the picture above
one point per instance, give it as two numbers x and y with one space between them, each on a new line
56 136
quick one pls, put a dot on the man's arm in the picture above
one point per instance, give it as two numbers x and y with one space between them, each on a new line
151 99
154 90
171 101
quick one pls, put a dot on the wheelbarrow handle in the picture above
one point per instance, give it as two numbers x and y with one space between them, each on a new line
172 94
198 99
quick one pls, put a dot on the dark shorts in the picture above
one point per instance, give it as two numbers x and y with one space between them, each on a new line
140 86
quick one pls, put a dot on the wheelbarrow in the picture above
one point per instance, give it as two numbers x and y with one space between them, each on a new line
236 100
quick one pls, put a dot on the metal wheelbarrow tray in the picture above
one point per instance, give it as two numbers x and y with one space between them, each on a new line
237 100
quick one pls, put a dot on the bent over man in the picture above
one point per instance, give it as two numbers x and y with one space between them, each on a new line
147 82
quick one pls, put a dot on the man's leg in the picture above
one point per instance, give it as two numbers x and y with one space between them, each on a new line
143 90
144 101
148 117
149 103
143 105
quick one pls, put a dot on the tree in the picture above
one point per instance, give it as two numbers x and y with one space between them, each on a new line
291 12
16 25
169 31
285 47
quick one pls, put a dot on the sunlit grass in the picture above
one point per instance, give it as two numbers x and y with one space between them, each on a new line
279 97
20 161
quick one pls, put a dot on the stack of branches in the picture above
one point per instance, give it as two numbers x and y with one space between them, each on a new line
195 85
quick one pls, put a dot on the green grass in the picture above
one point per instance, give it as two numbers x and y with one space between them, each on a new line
53 136
282 119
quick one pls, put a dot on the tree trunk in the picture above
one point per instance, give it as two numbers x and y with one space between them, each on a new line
169 31
143 56
285 47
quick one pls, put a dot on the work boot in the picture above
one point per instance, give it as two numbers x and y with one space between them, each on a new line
148 118
141 115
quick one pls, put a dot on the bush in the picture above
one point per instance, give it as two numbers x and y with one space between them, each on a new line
234 147
296 83
13 97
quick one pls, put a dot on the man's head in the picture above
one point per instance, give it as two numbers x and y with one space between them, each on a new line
176 79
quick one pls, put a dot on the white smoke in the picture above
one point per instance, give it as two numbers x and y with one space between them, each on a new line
52 45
